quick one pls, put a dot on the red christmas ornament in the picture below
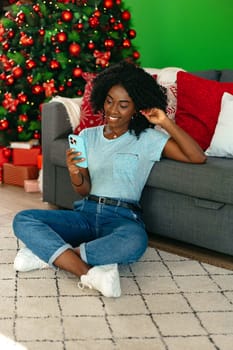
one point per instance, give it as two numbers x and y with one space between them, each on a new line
53 39
91 45
61 88
112 20
36 135
11 34
10 80
20 128
6 152
131 33
30 64
54 64
126 43
20 16
41 32
136 55
109 44
22 97
3 76
61 37
108 4
23 118
97 13
79 92
93 22
57 49
37 89
121 26
17 72
79 26
126 15
77 72
5 46
74 49
43 58
67 16
36 8
69 83
118 2
4 124
29 79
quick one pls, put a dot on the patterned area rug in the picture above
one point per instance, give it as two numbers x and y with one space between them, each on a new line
168 302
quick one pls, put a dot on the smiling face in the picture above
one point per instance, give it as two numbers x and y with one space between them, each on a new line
119 109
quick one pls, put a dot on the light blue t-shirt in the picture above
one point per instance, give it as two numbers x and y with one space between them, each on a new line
120 167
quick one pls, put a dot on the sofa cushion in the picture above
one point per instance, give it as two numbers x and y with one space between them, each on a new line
198 105
211 74
226 75
211 181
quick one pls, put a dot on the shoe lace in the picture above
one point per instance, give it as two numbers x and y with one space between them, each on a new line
82 285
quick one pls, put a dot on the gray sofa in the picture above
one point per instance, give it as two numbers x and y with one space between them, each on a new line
185 202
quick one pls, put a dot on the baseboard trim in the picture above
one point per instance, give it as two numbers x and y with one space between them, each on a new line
191 251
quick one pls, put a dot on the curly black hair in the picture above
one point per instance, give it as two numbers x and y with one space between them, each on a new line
140 86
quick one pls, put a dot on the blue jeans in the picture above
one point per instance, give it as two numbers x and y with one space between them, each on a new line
106 234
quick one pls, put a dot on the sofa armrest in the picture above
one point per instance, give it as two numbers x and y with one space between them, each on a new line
55 124
55 121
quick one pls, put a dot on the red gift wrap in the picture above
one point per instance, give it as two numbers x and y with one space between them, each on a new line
15 175
25 156
39 161
31 186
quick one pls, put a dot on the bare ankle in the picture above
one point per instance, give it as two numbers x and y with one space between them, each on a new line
77 251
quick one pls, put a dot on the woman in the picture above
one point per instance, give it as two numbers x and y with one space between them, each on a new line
105 228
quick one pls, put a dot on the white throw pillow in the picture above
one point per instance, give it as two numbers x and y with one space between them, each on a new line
222 141
167 78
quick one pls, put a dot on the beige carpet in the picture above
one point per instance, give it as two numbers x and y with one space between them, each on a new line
168 302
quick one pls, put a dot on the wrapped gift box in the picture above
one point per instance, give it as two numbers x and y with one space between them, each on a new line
25 156
31 186
39 161
16 174
1 174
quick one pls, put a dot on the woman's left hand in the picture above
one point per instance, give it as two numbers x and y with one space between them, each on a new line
155 116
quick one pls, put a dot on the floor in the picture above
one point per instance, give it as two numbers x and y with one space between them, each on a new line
168 302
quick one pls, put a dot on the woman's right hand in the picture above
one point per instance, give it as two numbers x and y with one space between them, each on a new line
80 178
71 161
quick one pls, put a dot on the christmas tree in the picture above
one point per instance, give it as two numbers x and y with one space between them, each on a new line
45 46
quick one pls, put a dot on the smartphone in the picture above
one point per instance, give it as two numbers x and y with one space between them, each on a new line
76 142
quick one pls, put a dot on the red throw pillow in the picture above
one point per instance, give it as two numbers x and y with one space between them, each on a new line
87 117
198 105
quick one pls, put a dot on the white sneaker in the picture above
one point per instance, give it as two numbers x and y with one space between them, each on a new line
25 261
104 278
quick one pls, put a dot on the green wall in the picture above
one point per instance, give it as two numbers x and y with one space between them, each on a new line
183 33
